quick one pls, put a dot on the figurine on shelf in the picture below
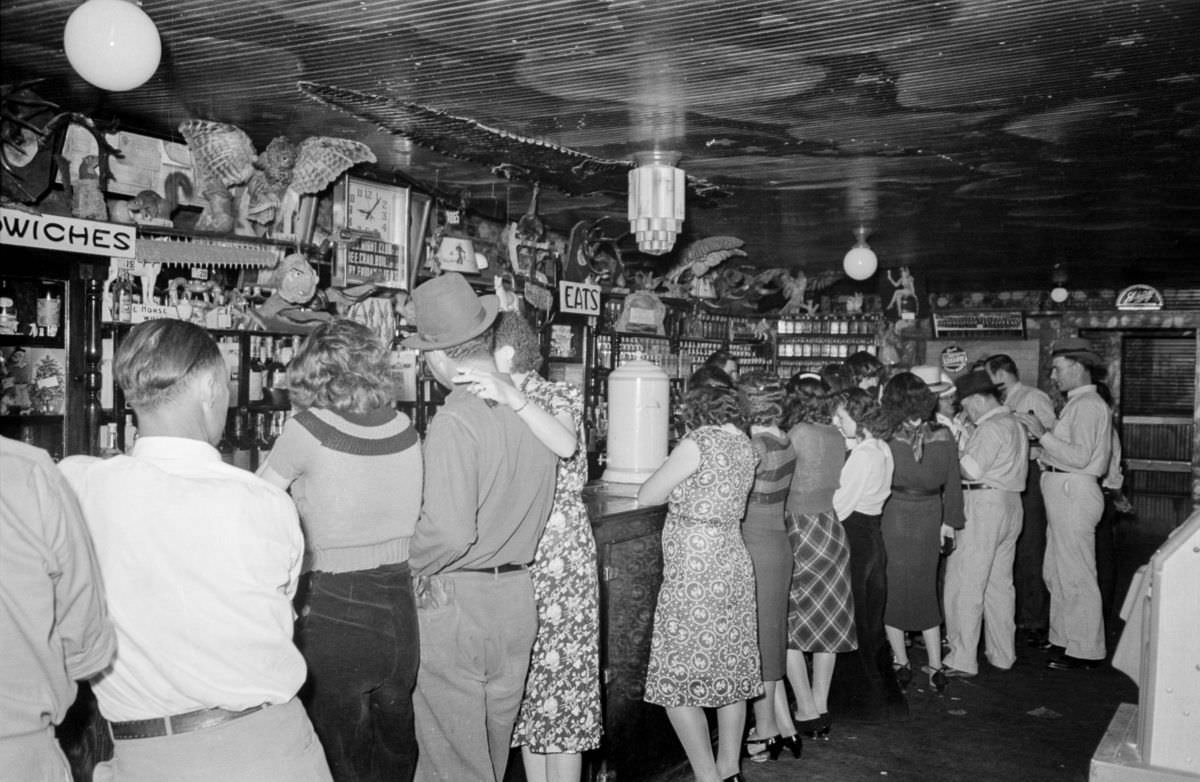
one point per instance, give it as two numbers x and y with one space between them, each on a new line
904 297
87 192
296 305
272 175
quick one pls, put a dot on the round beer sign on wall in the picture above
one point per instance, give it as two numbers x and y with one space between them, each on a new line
954 359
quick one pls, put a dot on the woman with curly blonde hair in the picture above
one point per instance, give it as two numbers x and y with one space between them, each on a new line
353 466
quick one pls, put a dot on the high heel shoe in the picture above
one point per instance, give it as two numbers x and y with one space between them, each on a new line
794 744
735 778
764 748
937 678
903 673
817 727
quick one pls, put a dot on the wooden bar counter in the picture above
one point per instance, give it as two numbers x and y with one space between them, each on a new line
638 740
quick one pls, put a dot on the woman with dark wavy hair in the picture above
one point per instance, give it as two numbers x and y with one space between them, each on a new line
765 533
704 649
926 505
821 612
353 465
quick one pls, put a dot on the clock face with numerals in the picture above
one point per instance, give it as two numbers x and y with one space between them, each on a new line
371 207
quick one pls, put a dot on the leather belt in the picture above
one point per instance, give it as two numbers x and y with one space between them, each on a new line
493 571
1052 468
975 486
177 723
906 492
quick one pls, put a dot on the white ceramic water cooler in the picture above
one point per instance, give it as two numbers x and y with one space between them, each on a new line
639 409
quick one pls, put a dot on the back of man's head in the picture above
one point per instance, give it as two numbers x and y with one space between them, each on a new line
158 359
1001 363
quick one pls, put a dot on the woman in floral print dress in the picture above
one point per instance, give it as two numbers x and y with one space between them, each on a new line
559 716
704 649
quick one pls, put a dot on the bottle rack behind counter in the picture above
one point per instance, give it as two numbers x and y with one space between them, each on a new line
258 397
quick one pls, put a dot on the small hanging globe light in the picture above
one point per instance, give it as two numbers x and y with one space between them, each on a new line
860 262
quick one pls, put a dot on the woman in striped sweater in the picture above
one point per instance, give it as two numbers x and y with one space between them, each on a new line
766 539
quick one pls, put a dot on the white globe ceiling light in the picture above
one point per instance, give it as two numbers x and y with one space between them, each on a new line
860 262
112 44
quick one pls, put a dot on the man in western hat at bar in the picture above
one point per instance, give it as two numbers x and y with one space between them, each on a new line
489 486
979 574
1075 456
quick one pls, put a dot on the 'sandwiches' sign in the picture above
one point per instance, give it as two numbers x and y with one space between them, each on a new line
66 234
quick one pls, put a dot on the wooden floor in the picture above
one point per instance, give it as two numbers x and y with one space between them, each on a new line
1029 724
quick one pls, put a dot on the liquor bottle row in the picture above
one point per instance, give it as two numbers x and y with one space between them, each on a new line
827 324
31 307
250 436
266 370
247 438
819 349
704 325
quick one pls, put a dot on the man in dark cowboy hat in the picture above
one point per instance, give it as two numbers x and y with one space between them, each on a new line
979 574
1075 456
489 484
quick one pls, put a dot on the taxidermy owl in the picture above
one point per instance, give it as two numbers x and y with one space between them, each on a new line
224 158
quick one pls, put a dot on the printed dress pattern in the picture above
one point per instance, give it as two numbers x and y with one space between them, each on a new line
704 647
560 711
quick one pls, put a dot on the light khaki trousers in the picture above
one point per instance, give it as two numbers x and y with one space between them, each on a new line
475 649
1074 504
978 591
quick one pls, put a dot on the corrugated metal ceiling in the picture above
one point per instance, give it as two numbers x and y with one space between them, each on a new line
979 141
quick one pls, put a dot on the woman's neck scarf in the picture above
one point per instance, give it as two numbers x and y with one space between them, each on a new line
915 434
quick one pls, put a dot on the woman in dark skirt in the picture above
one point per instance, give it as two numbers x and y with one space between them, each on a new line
864 685
926 505
766 538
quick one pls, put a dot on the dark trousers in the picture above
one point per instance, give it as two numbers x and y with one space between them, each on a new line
1106 555
864 685
358 632
1033 612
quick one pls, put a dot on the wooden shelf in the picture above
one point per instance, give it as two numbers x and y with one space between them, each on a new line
36 419
24 341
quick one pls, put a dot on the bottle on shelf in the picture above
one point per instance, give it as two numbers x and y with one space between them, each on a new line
49 308
231 350
264 440
129 433
8 309
242 442
256 371
122 298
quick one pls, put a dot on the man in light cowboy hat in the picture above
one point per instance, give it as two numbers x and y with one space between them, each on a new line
941 384
1075 455
979 576
489 484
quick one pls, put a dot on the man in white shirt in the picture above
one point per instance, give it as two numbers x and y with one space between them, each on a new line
200 560
1075 456
979 574
1033 615
53 620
